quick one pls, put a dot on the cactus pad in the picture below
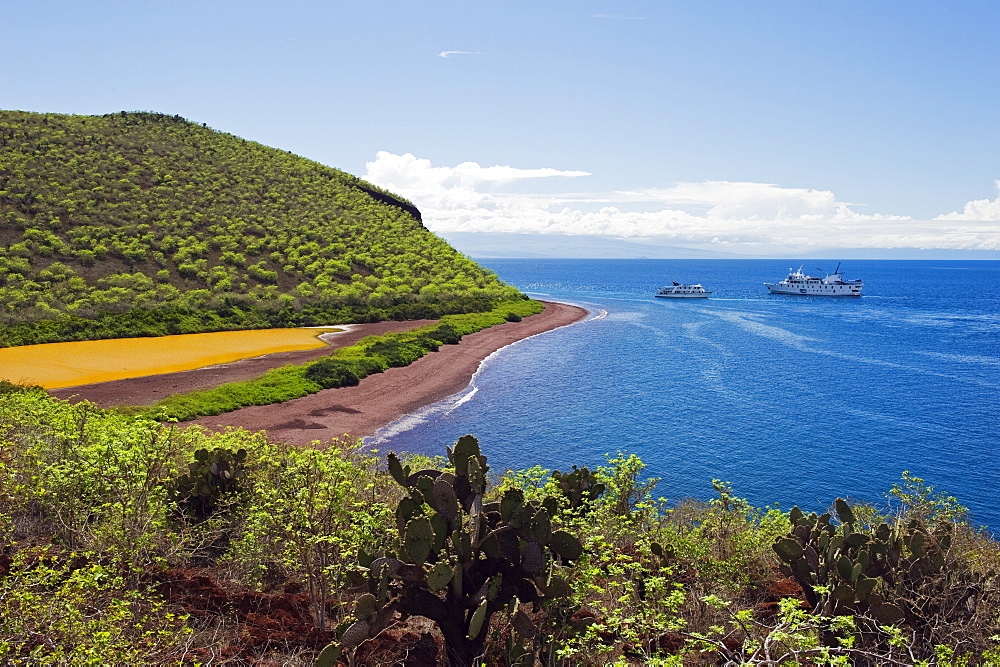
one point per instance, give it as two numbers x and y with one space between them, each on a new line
365 606
418 540
476 622
439 576
566 545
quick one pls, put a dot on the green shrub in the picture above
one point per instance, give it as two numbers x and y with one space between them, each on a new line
445 334
346 366
89 514
73 610
400 350
311 513
7 387
329 373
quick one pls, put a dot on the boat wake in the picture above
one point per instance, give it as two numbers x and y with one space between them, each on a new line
748 322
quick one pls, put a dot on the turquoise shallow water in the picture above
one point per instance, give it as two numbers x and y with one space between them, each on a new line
794 400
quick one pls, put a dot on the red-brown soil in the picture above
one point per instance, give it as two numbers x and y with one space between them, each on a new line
384 397
252 627
355 411
258 623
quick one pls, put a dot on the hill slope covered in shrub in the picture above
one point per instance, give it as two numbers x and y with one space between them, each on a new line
138 223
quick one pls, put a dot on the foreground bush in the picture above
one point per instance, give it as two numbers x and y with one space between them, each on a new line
459 562
65 608
123 537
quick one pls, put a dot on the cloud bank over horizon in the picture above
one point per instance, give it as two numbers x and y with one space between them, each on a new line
726 215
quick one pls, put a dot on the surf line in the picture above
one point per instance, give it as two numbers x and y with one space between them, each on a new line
449 404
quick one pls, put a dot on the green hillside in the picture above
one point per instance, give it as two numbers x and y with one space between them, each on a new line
147 224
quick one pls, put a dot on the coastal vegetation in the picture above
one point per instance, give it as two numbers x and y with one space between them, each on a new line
146 224
344 367
157 544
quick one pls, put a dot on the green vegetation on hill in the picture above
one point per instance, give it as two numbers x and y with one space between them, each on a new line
137 224
126 540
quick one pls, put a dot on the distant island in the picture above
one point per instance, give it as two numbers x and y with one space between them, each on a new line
504 245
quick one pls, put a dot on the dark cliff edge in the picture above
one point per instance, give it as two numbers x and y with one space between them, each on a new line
390 200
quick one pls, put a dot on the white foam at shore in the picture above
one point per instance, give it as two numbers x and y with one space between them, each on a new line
449 404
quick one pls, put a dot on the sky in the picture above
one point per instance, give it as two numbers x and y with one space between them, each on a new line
779 128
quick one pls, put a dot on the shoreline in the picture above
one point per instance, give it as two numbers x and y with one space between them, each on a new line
383 398
148 389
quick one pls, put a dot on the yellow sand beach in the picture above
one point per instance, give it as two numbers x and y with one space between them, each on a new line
54 365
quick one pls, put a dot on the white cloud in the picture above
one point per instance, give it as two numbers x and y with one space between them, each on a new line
408 173
449 54
979 209
724 214
727 199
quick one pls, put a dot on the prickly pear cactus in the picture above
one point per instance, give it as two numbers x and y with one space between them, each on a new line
850 570
579 487
459 560
212 475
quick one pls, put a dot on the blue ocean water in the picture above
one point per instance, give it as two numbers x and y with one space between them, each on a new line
792 399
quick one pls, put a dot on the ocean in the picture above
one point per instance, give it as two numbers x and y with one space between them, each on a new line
794 400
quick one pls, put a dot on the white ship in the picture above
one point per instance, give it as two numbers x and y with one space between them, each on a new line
831 285
678 291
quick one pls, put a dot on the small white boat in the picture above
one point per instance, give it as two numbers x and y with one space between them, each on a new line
678 291
831 285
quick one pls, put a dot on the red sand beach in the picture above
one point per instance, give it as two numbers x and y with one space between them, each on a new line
356 411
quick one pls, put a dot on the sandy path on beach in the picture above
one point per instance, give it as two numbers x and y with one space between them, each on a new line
384 397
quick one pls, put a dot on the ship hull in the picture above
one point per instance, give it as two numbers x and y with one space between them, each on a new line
703 295
806 291
799 284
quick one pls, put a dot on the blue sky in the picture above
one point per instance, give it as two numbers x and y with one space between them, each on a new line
765 127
